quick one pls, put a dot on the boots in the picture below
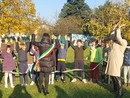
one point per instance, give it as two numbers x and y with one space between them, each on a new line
115 86
120 94
46 92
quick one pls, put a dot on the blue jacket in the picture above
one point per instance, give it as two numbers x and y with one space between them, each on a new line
127 58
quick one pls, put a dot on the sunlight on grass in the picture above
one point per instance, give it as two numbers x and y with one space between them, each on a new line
62 90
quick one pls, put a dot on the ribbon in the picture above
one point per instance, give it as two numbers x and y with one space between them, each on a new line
67 71
80 69
43 55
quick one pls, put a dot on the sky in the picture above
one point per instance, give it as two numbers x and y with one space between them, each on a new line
49 9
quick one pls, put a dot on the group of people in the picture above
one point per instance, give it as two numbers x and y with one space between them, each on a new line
50 53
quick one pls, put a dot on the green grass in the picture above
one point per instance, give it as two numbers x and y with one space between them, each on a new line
63 90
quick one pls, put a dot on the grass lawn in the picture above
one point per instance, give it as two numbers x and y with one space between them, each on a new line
63 90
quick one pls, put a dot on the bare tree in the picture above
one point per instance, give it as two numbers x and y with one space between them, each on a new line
68 25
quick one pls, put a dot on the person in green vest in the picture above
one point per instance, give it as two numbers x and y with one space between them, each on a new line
95 57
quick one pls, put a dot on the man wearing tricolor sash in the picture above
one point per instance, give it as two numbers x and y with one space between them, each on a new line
45 60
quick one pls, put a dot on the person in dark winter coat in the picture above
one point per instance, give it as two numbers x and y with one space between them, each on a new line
45 63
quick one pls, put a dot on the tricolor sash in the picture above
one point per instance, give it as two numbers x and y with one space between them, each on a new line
43 55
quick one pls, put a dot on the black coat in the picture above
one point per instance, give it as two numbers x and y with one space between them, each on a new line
46 64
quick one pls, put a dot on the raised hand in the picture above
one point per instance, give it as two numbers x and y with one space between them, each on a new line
30 37
75 39
52 36
6 40
36 32
83 39
122 25
59 37
115 26
16 38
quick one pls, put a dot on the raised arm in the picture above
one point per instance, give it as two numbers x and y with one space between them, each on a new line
3 50
28 46
85 45
72 44
17 46
57 43
88 55
4 47
119 38
12 47
66 45
66 42
32 52
34 42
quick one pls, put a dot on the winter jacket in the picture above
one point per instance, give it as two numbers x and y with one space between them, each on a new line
46 64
